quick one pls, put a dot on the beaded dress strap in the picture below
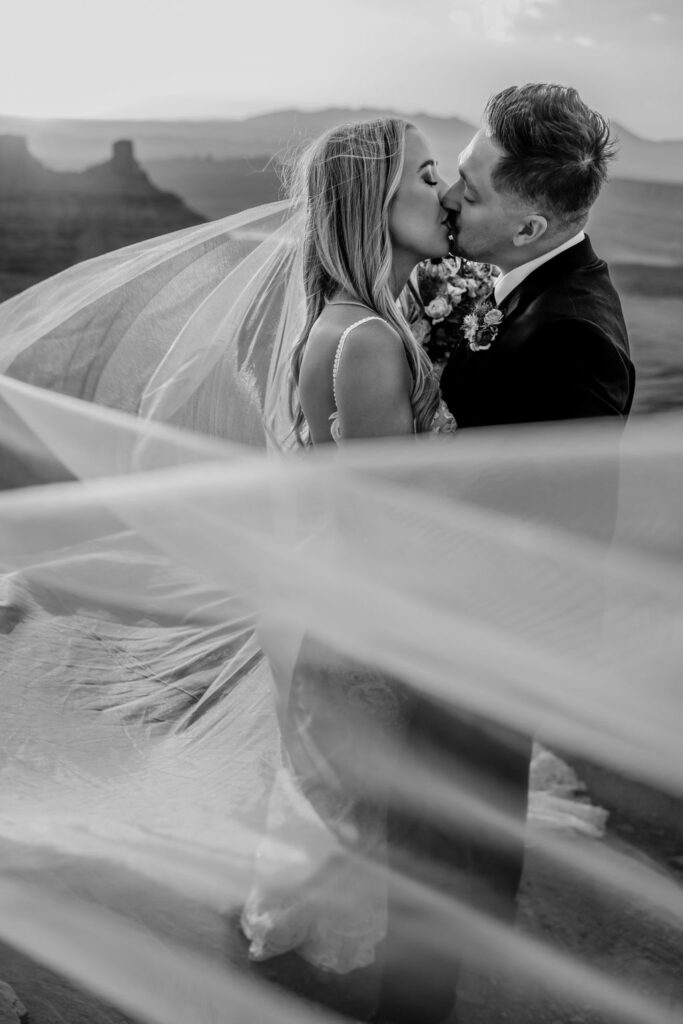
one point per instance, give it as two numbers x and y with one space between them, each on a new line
340 349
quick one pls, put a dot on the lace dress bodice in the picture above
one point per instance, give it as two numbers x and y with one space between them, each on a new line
443 422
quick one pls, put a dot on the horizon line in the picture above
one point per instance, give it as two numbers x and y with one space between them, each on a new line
223 119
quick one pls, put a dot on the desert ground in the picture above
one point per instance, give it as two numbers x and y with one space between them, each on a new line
617 934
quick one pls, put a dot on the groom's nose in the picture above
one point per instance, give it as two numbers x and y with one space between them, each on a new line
453 196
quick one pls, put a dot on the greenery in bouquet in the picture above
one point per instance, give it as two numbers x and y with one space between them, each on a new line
442 293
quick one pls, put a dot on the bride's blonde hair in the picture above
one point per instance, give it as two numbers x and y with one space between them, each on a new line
346 180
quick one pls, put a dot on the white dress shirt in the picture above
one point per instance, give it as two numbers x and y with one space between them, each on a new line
507 282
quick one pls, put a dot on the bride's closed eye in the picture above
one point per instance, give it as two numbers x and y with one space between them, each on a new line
431 177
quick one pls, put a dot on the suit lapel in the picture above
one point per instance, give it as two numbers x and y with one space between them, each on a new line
511 301
579 257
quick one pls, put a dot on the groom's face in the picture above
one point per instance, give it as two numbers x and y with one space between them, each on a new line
483 220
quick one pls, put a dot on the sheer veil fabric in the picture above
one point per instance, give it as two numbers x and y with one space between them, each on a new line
158 531
187 328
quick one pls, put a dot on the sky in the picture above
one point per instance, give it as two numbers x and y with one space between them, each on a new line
221 58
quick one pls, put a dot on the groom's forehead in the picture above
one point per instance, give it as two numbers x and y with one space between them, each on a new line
479 155
466 152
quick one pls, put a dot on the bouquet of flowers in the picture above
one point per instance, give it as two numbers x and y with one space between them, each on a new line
444 296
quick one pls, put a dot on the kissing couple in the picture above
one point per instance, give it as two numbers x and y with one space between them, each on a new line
195 330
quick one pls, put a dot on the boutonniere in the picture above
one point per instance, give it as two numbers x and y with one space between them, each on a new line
481 326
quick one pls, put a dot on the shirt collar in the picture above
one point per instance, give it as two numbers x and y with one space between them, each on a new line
506 283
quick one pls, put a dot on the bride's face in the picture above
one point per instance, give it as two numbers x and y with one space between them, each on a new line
417 220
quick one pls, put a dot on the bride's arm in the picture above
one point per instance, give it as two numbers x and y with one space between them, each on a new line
374 384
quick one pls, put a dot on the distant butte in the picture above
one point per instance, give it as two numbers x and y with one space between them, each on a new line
121 174
51 219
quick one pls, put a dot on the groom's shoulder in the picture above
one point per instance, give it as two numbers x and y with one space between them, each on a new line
579 293
579 302
583 290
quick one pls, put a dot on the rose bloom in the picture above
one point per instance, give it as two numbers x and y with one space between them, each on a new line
438 309
493 317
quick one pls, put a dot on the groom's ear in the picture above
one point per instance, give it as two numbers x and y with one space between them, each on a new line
530 229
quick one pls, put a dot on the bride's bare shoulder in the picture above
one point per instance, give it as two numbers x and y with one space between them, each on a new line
371 344
372 386
373 353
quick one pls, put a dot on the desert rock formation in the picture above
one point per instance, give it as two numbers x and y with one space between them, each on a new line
50 219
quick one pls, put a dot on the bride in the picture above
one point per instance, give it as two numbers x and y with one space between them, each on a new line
372 197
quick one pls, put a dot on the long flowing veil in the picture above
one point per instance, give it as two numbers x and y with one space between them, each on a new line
187 328
163 553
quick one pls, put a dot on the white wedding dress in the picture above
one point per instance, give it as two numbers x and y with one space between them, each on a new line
336 917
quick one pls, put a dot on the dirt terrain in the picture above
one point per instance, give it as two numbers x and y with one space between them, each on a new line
618 935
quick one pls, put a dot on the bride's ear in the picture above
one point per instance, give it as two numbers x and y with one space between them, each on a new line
530 229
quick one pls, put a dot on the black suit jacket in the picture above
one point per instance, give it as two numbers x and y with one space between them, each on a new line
561 352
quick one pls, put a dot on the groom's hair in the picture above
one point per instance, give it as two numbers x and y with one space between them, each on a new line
556 148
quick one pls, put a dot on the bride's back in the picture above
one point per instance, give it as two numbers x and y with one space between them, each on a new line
374 355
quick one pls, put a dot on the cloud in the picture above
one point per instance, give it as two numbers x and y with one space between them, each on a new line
611 24
496 19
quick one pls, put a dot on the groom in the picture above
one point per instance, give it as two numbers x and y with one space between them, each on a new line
526 184
559 350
